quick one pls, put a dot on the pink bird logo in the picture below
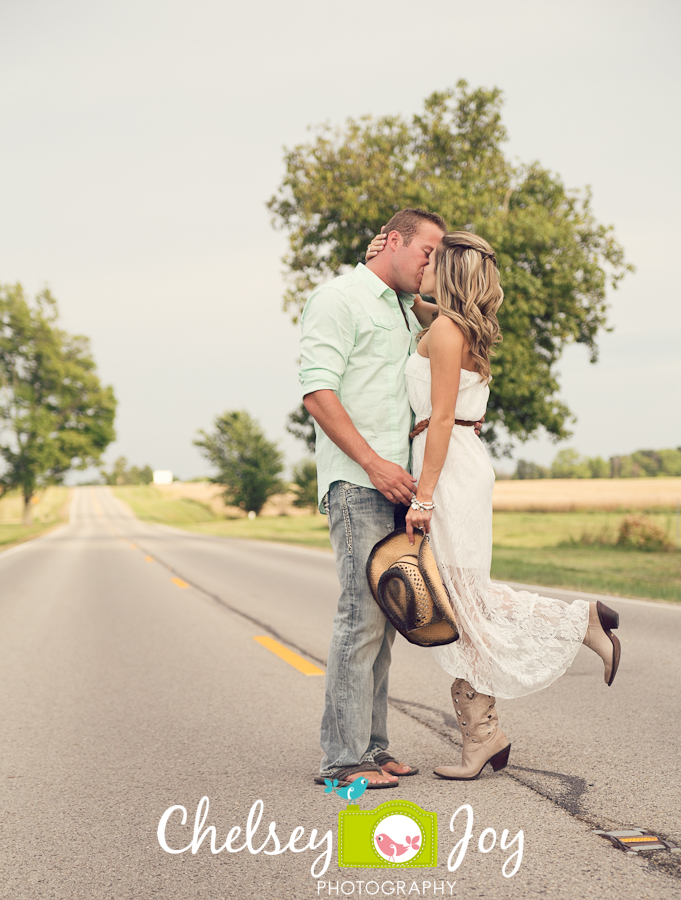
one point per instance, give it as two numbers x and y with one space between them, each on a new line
391 848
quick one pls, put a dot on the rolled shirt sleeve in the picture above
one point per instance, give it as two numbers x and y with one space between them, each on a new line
327 339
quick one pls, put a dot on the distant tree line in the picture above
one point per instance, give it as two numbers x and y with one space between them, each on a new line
640 464
122 473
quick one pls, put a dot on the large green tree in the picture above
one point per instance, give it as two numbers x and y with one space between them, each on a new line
249 465
55 415
555 258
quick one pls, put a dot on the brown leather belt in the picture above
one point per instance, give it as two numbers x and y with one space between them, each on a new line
423 424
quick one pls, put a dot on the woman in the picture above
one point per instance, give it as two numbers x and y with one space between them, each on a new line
511 642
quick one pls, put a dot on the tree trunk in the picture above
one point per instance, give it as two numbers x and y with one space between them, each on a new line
27 508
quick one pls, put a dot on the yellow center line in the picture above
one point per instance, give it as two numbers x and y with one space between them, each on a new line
307 668
179 582
148 559
133 546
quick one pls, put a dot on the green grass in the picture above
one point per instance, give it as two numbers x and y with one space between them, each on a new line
629 573
148 503
539 529
544 548
306 531
529 547
50 510
152 505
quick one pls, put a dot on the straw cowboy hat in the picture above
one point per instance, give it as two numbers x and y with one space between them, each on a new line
406 584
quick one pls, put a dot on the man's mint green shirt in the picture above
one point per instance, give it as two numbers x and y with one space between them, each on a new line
355 342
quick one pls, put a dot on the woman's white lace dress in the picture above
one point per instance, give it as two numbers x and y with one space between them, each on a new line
512 642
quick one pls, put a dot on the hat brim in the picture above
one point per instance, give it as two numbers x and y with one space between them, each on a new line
386 553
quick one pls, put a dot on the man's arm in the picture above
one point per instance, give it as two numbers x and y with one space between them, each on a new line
390 479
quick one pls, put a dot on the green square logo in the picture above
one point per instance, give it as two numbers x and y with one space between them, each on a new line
396 835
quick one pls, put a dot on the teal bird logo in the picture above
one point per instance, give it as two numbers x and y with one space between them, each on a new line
351 792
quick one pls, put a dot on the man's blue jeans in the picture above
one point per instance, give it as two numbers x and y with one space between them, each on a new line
354 724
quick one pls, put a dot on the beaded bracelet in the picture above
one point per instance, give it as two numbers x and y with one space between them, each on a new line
422 507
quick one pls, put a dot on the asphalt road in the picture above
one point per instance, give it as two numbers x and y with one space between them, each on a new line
131 683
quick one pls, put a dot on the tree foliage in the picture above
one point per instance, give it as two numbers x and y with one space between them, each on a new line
569 463
529 470
305 483
249 466
301 425
55 415
555 258
648 464
122 473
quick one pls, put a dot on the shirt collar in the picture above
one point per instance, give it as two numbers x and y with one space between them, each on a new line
379 288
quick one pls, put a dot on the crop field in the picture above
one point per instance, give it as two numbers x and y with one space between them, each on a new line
568 494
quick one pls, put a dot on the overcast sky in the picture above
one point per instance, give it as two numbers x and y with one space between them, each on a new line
141 141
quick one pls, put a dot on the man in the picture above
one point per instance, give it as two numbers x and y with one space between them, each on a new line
357 334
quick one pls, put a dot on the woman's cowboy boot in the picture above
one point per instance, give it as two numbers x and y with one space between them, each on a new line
600 639
483 741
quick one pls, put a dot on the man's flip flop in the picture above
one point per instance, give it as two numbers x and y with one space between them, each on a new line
382 758
342 773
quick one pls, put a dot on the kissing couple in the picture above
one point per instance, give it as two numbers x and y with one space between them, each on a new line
373 351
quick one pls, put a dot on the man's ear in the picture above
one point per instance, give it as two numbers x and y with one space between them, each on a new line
394 240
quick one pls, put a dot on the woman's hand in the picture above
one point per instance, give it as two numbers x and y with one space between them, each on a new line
425 312
376 246
417 518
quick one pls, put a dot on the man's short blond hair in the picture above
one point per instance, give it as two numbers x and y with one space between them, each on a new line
408 221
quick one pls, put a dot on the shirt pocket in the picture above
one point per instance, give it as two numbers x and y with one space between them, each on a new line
384 336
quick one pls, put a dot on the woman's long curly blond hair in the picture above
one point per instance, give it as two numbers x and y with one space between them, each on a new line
469 293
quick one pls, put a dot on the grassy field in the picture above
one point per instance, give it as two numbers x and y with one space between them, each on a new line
557 550
50 509
154 505
310 531
565 529
628 573
530 547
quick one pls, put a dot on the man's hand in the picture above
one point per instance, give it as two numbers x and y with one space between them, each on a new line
478 426
391 480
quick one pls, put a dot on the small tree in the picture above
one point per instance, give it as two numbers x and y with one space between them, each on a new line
569 464
301 426
249 466
55 415
121 473
529 470
305 480
598 467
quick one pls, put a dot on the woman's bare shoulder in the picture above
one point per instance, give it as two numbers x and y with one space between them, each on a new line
444 329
